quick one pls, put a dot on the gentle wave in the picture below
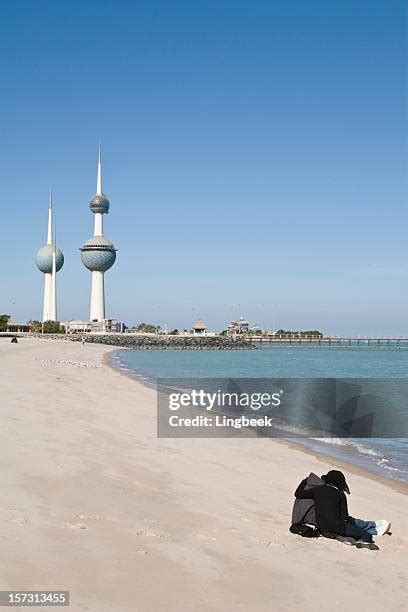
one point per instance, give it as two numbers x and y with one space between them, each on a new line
364 450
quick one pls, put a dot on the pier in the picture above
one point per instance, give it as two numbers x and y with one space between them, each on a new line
335 342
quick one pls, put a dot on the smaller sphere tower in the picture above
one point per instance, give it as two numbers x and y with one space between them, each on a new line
49 260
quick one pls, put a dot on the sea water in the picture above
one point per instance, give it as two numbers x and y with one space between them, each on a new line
388 457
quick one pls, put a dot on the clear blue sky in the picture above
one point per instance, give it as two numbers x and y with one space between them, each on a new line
255 158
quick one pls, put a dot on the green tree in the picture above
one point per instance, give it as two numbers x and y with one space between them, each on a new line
299 334
4 319
53 327
147 328
35 326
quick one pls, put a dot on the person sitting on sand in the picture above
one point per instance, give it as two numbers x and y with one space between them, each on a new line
332 515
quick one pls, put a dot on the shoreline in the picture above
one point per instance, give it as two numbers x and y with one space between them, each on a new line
96 504
339 463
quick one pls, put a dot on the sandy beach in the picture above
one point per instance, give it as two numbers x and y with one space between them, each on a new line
92 502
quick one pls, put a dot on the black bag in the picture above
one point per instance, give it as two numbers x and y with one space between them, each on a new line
304 530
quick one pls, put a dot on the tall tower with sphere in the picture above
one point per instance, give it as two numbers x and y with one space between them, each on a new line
98 254
49 260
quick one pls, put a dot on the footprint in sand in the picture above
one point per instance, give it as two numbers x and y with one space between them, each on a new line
266 542
202 536
149 533
274 544
140 552
21 521
89 517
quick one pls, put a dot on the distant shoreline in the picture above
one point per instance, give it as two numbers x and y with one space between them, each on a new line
222 342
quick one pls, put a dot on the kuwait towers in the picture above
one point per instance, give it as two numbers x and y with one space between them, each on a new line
49 260
98 254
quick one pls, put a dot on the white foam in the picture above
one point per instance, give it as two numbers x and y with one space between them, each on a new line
363 450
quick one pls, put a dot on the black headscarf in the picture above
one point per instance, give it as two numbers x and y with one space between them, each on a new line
336 478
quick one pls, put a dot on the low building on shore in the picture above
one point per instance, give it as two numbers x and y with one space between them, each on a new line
106 326
17 328
241 326
199 328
